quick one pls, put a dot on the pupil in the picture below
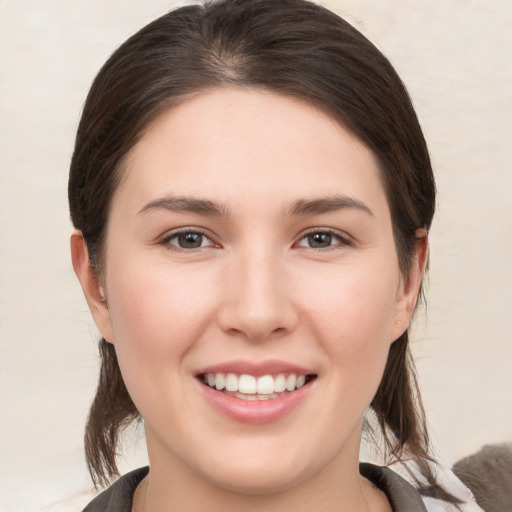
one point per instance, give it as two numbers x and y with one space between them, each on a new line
190 240
320 240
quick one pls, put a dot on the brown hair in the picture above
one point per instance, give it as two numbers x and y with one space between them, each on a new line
292 47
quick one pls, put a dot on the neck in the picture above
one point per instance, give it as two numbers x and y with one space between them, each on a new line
156 498
338 487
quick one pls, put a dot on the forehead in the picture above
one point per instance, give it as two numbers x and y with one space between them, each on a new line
234 142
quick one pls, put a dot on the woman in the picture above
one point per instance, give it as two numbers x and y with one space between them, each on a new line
252 195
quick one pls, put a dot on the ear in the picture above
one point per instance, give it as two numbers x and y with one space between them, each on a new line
410 286
94 293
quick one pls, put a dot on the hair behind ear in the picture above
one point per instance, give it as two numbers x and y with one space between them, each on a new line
398 406
401 418
112 410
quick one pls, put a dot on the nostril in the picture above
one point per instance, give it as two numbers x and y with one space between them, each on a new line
257 312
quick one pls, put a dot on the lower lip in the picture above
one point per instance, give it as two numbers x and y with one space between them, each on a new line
255 412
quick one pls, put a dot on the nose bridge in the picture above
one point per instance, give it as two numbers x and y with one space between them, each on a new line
257 304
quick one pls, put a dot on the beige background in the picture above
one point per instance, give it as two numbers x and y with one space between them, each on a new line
455 57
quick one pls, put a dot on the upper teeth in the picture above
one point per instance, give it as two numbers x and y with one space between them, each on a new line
264 385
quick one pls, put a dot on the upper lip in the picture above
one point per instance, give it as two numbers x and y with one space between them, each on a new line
257 369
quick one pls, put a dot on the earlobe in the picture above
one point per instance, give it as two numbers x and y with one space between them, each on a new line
94 293
410 286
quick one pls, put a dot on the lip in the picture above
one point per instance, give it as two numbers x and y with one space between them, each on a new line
255 412
257 369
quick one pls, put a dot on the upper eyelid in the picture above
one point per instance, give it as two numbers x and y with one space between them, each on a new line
336 232
169 235
194 229
322 229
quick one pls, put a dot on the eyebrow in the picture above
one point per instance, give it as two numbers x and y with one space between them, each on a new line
326 205
187 204
300 207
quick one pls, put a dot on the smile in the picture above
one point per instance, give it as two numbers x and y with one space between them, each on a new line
250 387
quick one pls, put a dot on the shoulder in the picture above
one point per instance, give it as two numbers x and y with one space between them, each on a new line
402 496
119 496
436 499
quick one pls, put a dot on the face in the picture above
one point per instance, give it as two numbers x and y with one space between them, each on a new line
252 289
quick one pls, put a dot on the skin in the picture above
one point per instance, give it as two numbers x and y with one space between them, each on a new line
258 288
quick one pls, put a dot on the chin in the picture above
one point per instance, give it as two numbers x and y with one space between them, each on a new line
258 481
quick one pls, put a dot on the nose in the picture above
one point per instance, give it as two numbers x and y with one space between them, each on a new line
257 303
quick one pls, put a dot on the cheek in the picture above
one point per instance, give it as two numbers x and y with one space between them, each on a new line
157 317
353 316
152 304
359 304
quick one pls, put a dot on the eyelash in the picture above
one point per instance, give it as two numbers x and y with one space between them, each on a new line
167 240
343 240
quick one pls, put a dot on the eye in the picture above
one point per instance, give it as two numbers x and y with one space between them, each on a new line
188 240
322 239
